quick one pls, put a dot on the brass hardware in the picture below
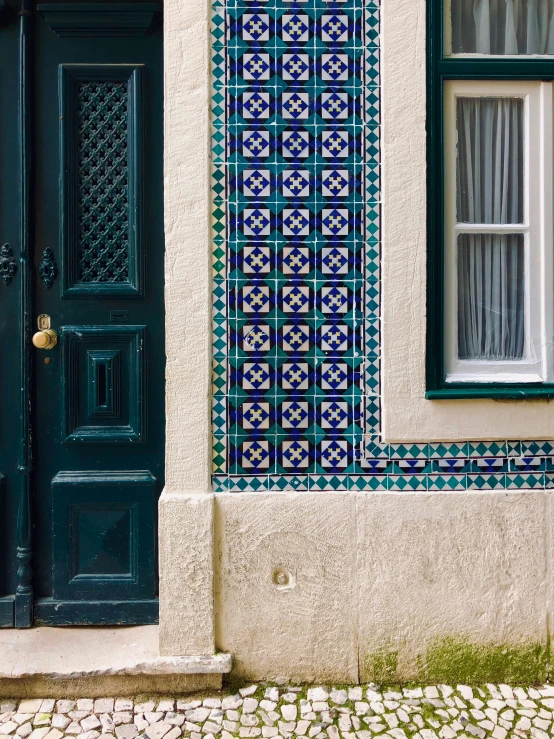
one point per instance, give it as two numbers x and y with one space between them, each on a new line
47 360
45 337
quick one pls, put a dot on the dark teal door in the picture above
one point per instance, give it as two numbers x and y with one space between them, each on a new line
82 420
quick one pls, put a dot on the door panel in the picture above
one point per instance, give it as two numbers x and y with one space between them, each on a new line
97 404
103 384
103 535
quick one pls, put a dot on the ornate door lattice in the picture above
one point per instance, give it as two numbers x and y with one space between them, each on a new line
103 181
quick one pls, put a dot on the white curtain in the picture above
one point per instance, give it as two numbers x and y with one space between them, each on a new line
502 26
491 296
490 160
491 271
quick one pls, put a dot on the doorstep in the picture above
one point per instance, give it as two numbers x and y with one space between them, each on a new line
48 662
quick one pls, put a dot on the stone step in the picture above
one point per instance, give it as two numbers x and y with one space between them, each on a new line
98 661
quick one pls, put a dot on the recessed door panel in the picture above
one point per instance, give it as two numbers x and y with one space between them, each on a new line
103 384
103 540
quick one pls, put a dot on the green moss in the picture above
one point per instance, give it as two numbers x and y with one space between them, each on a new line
457 660
381 666
232 683
428 711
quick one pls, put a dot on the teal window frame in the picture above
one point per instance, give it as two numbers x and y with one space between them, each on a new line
441 68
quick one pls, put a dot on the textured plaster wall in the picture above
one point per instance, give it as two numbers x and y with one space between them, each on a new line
469 566
306 628
186 555
185 511
376 574
407 415
187 234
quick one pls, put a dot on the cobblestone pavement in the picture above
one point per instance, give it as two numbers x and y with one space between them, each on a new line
362 712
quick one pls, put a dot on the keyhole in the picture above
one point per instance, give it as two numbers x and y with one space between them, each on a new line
101 380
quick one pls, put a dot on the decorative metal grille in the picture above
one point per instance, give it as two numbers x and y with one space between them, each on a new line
103 182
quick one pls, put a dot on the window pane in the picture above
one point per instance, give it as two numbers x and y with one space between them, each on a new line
491 290
490 182
502 27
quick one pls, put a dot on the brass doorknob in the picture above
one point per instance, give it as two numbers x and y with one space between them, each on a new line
45 339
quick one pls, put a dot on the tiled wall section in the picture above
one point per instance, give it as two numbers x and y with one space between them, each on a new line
296 264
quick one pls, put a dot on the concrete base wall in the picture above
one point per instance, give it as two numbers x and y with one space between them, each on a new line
345 587
101 686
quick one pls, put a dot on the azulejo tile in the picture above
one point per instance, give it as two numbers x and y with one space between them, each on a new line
487 449
244 484
537 448
296 264
528 464
525 481
486 481
367 483
288 483
446 483
407 451
295 27
328 483
407 483
451 464
448 451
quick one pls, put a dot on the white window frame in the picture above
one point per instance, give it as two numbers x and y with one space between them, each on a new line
537 228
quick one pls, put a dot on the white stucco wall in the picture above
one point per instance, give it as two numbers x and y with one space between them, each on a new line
407 415
185 513
187 234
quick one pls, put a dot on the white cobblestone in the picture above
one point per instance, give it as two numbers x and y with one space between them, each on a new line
157 730
318 694
30 706
143 707
54 734
93 734
59 721
271 712
140 722
42 719
126 731
90 723
123 704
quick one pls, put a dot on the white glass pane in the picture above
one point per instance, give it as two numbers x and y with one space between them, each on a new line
490 181
510 27
491 296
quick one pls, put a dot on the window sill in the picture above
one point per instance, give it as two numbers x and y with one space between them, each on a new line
456 391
